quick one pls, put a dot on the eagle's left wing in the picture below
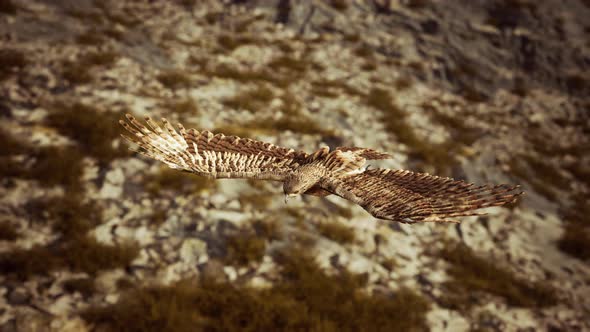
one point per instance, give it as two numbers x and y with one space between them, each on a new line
410 197
212 155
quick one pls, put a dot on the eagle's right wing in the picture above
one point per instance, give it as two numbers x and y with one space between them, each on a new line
213 156
409 197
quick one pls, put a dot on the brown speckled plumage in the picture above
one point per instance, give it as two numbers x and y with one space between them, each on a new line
396 195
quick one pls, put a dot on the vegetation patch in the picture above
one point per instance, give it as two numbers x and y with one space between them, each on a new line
79 72
75 74
461 133
403 83
175 79
244 248
540 174
94 130
396 123
11 61
73 250
471 273
256 200
91 37
282 78
253 100
168 179
8 7
232 41
68 215
57 166
336 232
333 88
289 65
158 217
82 254
106 58
50 166
305 299
10 145
84 286
182 107
389 264
575 241
340 210
292 118
267 229
369 65
341 5
300 124
8 231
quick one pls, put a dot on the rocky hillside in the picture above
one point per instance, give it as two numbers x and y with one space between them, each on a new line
94 237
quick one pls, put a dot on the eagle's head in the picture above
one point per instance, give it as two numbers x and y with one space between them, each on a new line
300 181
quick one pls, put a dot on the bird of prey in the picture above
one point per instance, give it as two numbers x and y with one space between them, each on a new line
396 195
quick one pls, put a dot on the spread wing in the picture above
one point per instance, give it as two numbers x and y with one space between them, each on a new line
368 154
409 197
214 156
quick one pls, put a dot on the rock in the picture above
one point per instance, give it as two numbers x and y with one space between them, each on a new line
106 282
112 298
218 200
192 250
259 282
230 272
69 324
110 191
234 217
32 321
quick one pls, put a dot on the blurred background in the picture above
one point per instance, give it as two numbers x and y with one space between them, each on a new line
94 237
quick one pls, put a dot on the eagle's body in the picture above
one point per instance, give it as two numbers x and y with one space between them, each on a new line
396 195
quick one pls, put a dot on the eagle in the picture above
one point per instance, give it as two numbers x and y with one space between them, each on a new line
394 195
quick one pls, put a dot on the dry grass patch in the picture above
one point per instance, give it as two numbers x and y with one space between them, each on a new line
80 71
82 254
576 238
174 79
244 248
336 232
396 122
93 129
253 99
11 62
168 179
8 231
230 42
471 274
305 299
84 286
